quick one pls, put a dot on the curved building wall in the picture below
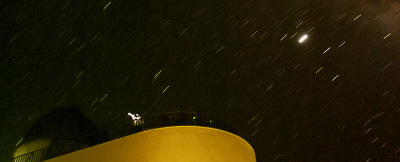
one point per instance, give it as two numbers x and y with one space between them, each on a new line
174 144
32 146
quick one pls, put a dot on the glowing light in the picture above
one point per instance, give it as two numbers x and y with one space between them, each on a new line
319 70
79 74
134 116
165 89
375 139
335 77
158 74
283 37
104 97
357 17
303 38
342 44
327 50
19 142
106 5
387 36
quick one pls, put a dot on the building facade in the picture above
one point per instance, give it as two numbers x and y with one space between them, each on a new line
173 136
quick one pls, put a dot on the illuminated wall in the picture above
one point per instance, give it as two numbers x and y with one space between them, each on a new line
174 144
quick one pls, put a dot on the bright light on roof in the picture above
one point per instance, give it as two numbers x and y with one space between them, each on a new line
134 116
303 38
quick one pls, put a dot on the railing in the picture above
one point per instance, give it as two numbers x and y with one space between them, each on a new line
60 147
57 148
36 156
169 119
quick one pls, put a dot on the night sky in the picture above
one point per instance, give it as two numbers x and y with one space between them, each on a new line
331 97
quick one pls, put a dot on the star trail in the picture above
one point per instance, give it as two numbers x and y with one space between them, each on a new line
299 80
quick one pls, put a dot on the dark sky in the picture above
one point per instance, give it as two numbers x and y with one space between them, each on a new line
334 96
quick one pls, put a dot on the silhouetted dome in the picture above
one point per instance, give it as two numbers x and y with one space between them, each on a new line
63 123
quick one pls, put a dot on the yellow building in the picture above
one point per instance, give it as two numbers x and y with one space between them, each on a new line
175 137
